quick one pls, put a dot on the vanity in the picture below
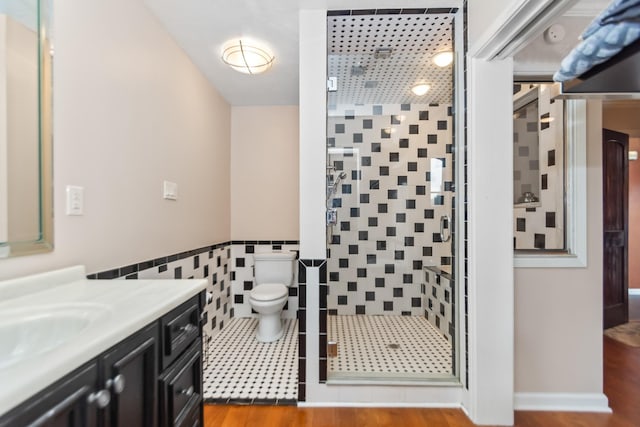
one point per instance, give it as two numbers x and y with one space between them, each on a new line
78 352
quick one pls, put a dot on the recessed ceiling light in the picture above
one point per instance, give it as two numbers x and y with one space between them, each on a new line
443 59
247 56
420 89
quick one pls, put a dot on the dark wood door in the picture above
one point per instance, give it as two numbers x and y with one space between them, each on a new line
130 371
615 162
64 404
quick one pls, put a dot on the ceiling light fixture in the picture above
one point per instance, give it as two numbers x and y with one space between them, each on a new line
443 59
420 89
247 57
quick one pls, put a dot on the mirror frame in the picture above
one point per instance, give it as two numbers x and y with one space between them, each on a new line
44 240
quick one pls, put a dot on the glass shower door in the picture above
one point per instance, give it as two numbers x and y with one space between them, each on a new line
390 197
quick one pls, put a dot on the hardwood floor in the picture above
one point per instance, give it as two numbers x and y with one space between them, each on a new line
621 385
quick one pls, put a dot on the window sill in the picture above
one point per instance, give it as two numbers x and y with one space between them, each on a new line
549 260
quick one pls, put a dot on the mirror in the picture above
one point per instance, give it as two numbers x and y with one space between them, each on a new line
539 170
26 187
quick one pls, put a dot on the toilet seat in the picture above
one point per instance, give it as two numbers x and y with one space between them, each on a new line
268 292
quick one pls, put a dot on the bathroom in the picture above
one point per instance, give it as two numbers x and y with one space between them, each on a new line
131 111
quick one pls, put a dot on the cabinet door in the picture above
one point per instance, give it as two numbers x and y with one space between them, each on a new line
130 372
65 404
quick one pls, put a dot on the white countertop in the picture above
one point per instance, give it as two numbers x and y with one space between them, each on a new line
117 309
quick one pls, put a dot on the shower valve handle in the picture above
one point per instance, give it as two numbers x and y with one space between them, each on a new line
332 216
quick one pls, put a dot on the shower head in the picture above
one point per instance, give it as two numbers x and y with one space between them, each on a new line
333 188
342 175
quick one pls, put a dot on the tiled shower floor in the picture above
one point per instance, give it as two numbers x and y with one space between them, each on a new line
399 347
238 369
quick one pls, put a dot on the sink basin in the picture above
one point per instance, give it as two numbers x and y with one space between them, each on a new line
29 332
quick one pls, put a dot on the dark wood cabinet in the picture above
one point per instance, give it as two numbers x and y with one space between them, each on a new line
70 402
130 372
151 378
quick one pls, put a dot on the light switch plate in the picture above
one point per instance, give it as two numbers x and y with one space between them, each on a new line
75 200
170 190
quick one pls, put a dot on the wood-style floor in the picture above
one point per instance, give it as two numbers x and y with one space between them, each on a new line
621 385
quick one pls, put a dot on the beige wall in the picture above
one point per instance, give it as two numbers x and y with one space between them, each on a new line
264 173
131 110
558 312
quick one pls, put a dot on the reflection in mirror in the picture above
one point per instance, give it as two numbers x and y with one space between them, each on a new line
25 127
538 169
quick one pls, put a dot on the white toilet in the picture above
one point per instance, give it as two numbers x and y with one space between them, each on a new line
273 276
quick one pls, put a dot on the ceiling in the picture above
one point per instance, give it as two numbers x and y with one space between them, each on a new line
201 27
365 77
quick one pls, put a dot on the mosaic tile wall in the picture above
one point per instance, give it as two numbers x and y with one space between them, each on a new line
439 302
242 275
210 262
305 266
398 184
540 225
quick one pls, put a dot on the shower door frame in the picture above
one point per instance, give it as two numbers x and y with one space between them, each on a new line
459 252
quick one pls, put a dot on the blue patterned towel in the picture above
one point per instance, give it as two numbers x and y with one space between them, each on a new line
616 27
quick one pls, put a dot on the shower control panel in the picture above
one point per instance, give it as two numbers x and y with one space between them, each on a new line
332 216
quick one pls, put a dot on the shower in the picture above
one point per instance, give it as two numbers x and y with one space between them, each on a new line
391 297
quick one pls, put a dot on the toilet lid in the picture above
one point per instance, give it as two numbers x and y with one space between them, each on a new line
268 291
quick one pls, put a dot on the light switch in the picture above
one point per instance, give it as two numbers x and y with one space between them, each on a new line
75 200
170 190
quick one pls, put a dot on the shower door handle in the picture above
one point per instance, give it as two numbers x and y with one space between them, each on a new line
445 222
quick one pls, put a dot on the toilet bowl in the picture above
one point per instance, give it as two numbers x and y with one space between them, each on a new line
268 300
273 276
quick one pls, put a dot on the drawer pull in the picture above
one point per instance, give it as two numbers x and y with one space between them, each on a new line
100 398
187 392
116 384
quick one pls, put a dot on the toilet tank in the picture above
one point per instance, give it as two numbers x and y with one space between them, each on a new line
274 267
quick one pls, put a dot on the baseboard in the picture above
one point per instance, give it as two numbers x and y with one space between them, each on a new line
573 402
634 291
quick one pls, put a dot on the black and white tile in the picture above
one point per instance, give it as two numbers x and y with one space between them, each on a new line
398 162
239 369
439 302
387 347
209 262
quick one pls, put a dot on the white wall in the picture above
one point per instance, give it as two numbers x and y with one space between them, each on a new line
558 312
130 110
264 173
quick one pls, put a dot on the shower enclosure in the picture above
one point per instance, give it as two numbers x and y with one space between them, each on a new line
392 297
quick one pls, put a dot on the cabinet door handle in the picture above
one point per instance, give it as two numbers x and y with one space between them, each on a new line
116 384
100 398
187 391
187 328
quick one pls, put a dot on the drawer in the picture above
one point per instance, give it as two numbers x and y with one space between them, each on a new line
181 388
179 328
193 417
